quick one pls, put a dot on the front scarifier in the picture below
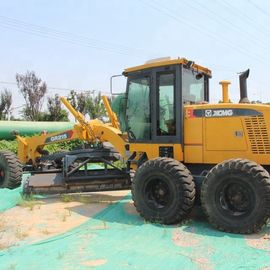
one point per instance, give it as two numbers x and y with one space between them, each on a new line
235 196
163 191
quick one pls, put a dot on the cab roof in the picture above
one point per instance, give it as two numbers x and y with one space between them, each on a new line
167 61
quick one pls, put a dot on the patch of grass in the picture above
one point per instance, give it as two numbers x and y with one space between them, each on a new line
12 145
65 215
83 199
45 231
64 218
67 198
105 226
28 202
21 235
60 255
95 199
12 266
164 234
9 145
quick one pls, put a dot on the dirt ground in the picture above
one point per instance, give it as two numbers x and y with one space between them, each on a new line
195 244
39 219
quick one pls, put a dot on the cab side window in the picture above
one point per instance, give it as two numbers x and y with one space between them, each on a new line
166 124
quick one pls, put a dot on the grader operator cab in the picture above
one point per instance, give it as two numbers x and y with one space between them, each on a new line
179 146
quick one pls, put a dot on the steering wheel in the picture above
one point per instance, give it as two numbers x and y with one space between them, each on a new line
131 135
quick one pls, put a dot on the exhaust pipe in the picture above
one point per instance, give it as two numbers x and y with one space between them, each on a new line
243 87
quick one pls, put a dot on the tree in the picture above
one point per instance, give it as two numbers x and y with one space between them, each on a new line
5 104
55 111
86 103
78 101
95 107
33 90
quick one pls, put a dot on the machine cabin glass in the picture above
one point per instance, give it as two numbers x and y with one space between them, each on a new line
138 109
194 87
166 105
155 100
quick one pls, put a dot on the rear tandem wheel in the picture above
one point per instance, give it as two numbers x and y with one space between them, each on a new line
235 196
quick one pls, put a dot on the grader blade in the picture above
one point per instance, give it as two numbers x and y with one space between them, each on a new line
82 170
54 183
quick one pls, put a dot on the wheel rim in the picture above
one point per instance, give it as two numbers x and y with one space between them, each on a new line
157 193
2 176
235 198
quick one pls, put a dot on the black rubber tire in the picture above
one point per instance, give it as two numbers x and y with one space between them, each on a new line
179 185
10 170
254 196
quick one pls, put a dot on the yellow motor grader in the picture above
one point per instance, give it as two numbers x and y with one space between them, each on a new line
178 144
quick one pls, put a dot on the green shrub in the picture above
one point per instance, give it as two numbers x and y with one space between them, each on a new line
57 147
9 146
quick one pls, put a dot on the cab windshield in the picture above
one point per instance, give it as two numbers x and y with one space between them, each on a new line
138 108
192 87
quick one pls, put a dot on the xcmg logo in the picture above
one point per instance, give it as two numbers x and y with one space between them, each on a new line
218 113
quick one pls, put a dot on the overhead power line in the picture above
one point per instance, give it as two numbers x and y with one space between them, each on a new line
169 13
263 11
49 87
251 20
201 7
71 38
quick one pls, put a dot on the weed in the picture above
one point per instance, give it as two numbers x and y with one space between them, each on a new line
105 225
45 231
20 235
28 201
83 199
60 255
12 266
28 197
164 231
66 198
27 204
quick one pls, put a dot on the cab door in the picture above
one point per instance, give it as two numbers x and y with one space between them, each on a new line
167 123
154 112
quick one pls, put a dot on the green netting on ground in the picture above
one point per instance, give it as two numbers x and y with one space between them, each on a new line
119 239
9 198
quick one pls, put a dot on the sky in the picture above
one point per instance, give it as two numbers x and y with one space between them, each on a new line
81 44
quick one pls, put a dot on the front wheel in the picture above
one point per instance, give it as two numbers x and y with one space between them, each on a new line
10 170
163 191
235 196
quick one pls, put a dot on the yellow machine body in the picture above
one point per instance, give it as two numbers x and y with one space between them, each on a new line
211 132
31 148
213 139
221 148
210 140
